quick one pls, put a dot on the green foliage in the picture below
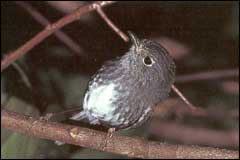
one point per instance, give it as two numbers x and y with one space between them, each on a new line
16 145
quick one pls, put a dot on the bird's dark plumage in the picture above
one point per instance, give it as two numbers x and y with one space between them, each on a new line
124 91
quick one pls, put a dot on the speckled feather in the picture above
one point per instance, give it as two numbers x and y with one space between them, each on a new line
130 88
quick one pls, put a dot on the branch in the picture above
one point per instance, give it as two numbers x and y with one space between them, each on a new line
23 75
43 21
132 147
193 135
174 106
50 29
65 6
110 23
185 100
207 75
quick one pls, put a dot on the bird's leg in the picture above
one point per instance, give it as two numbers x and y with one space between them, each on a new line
46 117
108 137
110 132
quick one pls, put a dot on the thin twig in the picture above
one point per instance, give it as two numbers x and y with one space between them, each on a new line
171 106
132 147
44 21
110 23
23 75
208 75
189 104
50 29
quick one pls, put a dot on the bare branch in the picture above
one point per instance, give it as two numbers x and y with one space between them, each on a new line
174 105
189 104
202 76
23 75
208 75
65 6
194 135
132 147
50 29
110 23
43 21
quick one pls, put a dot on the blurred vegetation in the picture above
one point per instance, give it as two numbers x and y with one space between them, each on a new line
59 77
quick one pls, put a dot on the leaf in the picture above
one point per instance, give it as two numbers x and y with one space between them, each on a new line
19 146
92 154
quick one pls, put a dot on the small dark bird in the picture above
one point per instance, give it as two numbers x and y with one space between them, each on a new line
122 94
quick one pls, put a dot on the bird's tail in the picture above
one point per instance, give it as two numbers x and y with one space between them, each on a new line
85 116
79 116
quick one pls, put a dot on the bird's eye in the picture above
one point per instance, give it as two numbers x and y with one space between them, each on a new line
147 61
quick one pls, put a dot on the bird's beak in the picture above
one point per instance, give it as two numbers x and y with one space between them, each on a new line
134 39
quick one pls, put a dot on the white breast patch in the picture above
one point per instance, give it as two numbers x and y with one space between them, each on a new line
100 100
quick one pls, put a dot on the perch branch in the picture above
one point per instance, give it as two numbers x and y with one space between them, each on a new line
50 29
44 21
208 75
132 147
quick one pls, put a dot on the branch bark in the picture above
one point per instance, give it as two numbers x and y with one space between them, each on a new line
44 22
111 24
207 75
192 135
132 147
50 29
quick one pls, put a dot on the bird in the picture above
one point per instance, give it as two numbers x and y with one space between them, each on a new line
122 94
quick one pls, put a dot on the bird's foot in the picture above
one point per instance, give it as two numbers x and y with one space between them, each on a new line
110 132
47 117
108 137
